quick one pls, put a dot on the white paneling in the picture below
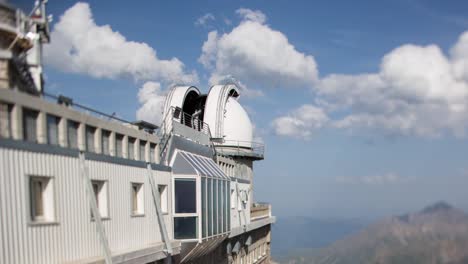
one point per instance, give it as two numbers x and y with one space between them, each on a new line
74 236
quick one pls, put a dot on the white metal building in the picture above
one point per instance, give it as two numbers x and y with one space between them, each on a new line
84 187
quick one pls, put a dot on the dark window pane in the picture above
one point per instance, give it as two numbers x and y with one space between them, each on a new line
30 125
72 131
228 206
220 207
210 206
185 227
5 120
118 145
204 214
215 207
52 129
105 142
185 196
142 150
131 148
152 154
90 138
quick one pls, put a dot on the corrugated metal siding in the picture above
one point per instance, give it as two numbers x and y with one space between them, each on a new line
75 236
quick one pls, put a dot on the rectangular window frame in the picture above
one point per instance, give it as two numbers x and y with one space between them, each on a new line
152 153
106 142
137 199
102 198
49 216
53 137
131 148
5 120
197 212
75 126
119 139
30 134
164 198
142 150
90 138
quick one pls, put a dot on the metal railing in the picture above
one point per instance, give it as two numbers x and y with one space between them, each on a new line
241 147
176 115
190 121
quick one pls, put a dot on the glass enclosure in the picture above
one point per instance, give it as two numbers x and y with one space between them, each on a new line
198 178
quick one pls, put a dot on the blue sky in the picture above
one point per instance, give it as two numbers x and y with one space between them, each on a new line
382 130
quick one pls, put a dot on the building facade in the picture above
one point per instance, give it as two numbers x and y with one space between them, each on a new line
84 187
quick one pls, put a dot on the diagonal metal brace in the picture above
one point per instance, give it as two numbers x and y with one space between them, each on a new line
157 205
93 203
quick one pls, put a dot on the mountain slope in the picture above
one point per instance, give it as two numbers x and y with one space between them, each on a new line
437 234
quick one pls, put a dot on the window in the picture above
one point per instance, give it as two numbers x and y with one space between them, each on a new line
118 145
210 206
233 199
52 129
30 125
105 140
5 120
137 199
152 152
185 209
142 150
185 196
41 199
163 197
185 227
72 134
204 209
220 213
90 132
131 148
100 191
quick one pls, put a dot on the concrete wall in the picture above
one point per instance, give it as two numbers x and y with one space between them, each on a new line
240 215
257 252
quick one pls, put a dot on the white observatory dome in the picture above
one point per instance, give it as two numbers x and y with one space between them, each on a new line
237 125
227 118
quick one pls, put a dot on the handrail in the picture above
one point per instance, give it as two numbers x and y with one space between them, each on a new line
241 147
175 114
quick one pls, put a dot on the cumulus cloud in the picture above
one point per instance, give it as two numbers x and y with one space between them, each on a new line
301 122
418 91
205 19
388 178
256 54
81 46
252 15
151 98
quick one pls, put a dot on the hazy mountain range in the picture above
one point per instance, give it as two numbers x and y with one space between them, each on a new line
436 234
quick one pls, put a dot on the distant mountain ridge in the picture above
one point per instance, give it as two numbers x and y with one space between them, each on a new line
436 234
307 232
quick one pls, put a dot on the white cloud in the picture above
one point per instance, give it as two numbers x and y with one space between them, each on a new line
418 91
203 20
301 122
79 45
257 55
252 15
388 178
209 48
152 100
